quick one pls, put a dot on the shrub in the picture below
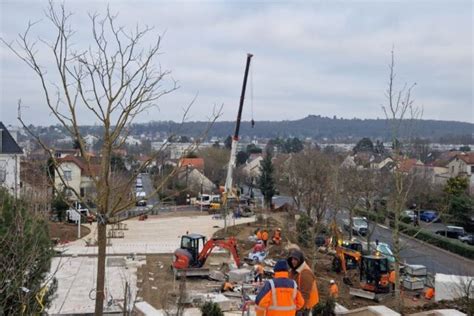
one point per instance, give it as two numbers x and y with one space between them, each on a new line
211 309
303 227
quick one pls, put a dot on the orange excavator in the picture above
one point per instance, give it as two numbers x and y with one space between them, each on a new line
374 270
194 251
348 256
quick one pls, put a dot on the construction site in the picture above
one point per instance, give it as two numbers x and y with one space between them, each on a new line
147 276
221 249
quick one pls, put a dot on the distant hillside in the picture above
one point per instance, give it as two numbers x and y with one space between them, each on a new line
316 127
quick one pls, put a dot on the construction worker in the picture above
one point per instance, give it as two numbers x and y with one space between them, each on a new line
277 236
259 234
265 237
279 296
227 286
259 247
391 279
304 277
259 272
333 289
430 293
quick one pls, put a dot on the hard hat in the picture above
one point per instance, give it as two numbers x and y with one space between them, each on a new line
278 228
332 282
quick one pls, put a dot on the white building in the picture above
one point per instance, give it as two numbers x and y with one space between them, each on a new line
10 154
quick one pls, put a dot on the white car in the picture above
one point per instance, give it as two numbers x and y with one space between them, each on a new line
359 225
409 213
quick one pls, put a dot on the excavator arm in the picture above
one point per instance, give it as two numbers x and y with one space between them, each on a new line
342 252
229 244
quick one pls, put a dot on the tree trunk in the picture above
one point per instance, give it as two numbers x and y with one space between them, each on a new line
102 245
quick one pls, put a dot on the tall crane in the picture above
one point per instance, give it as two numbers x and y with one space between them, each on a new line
235 140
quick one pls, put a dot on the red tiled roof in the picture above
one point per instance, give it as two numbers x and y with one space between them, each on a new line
88 169
407 164
467 157
197 163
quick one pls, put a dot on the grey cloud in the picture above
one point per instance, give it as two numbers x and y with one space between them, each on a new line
327 58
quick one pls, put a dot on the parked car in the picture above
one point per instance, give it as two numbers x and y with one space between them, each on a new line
359 225
467 239
410 214
141 198
429 216
452 232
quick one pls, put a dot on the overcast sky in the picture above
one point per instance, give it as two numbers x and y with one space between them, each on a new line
321 57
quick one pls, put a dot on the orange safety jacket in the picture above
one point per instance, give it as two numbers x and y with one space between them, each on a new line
334 290
259 235
430 292
279 297
391 277
265 235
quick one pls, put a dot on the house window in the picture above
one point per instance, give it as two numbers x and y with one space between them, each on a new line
82 192
67 175
472 169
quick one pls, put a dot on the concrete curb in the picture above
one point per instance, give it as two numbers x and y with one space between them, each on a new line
467 260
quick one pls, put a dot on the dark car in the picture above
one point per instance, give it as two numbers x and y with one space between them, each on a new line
429 216
452 232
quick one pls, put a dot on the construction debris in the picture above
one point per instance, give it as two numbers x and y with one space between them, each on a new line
240 275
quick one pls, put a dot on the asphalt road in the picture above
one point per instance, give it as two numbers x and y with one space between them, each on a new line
435 260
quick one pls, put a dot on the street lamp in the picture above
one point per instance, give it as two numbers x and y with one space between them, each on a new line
201 195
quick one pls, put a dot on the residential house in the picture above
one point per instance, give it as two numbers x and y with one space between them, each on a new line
408 165
463 165
252 169
10 154
195 163
434 174
76 174
195 180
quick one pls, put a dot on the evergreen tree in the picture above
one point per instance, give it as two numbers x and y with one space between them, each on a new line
266 183
253 149
241 158
25 259
364 145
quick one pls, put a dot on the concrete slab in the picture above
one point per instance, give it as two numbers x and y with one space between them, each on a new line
240 275
154 236
76 275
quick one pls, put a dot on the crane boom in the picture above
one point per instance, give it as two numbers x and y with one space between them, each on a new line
235 138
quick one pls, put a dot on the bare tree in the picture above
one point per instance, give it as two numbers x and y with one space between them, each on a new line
310 175
115 79
401 114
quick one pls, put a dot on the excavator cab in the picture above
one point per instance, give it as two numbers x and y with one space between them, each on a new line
347 257
374 274
188 253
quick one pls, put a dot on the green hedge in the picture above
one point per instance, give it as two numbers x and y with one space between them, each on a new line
372 216
437 240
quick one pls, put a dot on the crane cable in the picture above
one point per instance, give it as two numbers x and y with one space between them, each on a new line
252 122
